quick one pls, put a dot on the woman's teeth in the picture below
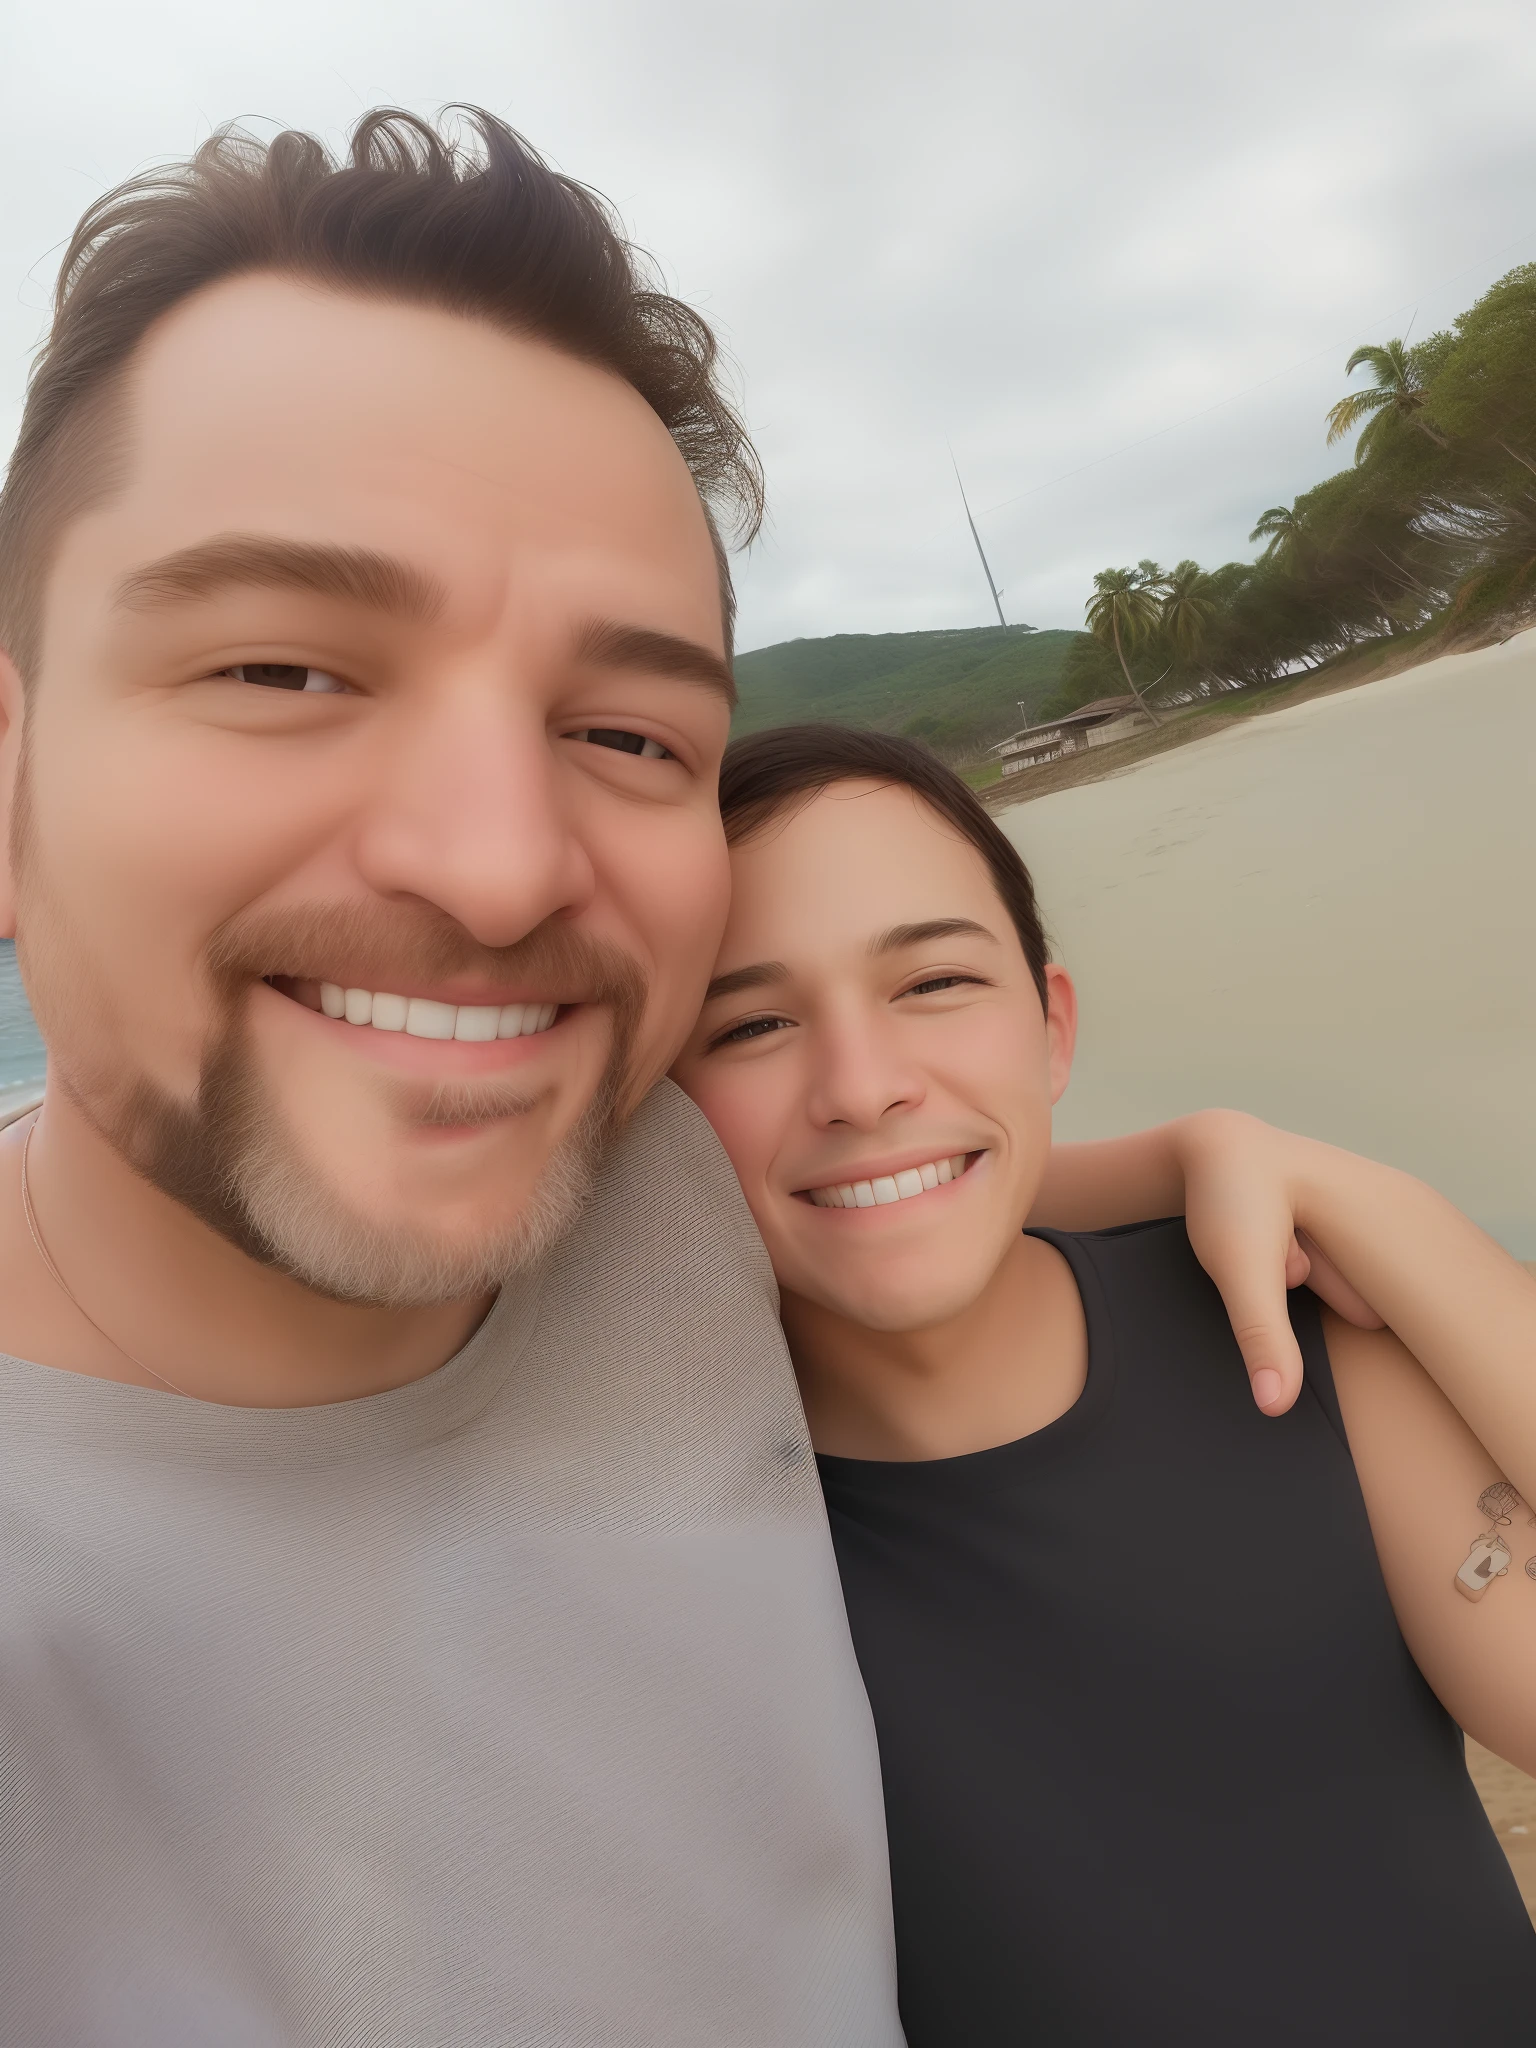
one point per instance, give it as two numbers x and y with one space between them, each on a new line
419 1018
890 1187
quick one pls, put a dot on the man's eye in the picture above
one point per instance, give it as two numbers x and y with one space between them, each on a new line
286 675
939 982
623 742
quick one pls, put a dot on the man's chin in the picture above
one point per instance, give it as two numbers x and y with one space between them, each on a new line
230 1158
300 1227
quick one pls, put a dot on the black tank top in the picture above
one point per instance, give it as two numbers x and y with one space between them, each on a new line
1160 1771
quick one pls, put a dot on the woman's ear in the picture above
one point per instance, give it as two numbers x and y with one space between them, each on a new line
13 706
1060 1027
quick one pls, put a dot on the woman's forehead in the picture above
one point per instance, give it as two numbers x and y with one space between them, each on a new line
856 858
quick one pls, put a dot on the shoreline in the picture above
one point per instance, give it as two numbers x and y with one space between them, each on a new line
17 1097
1194 722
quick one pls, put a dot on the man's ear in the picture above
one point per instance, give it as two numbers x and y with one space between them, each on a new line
1060 1027
13 707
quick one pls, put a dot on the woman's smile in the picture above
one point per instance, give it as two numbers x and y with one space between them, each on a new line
878 1188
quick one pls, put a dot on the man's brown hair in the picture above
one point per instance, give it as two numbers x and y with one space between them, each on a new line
768 773
474 222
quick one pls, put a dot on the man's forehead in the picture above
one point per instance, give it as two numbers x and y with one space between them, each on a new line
279 373
257 406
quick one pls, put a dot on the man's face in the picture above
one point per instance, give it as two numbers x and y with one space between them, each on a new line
392 664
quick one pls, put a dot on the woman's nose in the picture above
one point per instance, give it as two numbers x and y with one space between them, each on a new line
863 1074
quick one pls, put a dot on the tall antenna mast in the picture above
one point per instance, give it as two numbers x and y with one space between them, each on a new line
975 536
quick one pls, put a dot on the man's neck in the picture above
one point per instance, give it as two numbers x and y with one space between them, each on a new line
161 1300
1010 1362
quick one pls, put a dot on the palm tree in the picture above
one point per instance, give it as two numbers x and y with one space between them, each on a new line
1186 607
1285 532
1397 394
1122 613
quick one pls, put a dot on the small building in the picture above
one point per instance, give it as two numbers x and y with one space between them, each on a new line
1092 725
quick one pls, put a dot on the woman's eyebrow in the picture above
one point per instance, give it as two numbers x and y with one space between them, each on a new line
901 935
761 975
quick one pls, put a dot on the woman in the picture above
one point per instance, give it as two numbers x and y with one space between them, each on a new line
1169 1692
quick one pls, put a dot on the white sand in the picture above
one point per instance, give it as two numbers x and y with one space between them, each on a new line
1326 915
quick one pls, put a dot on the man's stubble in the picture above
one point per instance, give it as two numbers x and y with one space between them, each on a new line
231 1159
228 1156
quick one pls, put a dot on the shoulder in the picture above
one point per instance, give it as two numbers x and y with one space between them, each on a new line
667 1193
1163 1239
1134 1259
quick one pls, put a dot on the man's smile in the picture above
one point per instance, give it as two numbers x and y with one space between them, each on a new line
421 1016
428 1036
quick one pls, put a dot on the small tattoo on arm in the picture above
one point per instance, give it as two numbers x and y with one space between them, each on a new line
1488 1558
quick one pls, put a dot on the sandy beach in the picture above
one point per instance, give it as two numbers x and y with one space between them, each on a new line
1327 916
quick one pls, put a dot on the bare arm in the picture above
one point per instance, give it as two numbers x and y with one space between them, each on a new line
1114 1180
1460 1305
1422 1471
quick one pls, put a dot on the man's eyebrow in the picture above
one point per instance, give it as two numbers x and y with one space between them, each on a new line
265 562
608 644
901 935
761 975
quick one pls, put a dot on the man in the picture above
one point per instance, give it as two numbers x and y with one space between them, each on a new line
440 1671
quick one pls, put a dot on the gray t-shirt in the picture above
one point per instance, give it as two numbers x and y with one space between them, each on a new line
515 1706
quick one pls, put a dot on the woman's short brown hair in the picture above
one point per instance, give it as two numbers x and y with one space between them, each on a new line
471 220
770 772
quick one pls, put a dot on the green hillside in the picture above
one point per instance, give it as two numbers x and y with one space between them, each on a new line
959 690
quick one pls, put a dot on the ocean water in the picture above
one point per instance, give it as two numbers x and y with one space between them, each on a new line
21 1050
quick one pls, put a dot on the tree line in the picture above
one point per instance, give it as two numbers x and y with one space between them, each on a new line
1434 524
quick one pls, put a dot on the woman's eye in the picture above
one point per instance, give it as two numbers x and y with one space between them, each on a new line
287 675
755 1027
941 982
623 742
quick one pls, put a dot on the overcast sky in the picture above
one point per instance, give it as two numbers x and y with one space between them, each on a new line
1041 235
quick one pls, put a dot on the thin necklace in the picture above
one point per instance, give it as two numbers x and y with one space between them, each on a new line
63 1285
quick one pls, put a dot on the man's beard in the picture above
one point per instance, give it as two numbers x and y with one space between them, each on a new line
228 1157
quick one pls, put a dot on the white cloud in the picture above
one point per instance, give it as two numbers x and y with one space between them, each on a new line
1039 234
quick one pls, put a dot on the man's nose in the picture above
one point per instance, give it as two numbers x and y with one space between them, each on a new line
469 816
863 1072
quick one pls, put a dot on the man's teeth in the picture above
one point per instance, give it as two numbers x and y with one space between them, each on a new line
418 1017
890 1187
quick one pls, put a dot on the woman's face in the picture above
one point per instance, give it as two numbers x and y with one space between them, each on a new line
874 1058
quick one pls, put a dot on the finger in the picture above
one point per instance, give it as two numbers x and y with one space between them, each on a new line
1242 1233
1273 1359
1297 1265
1329 1284
1261 1324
